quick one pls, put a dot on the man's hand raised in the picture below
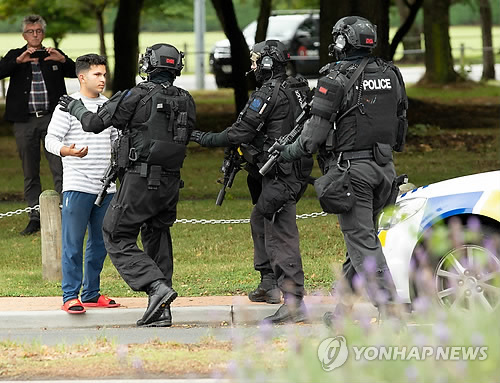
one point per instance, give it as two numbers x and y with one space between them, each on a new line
72 151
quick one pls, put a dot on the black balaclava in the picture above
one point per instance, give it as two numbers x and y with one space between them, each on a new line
262 75
159 77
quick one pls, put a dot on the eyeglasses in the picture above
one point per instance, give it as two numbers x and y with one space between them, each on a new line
33 31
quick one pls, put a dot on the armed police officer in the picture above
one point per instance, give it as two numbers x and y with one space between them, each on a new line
269 114
358 118
156 119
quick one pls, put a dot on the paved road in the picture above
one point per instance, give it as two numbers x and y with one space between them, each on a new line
410 74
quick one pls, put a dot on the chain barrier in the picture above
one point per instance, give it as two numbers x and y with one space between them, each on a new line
20 211
182 220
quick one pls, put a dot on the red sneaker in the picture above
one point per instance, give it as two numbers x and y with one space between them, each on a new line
73 306
102 301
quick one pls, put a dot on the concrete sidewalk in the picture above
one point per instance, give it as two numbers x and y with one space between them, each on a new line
45 312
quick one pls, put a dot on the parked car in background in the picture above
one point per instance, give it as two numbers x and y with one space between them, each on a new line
298 31
443 240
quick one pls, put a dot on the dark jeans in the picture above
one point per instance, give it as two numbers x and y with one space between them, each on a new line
28 136
134 209
79 213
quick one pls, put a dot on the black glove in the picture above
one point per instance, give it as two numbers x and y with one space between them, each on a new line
279 147
64 101
197 136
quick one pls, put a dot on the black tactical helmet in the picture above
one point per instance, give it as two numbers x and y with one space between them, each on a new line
354 30
274 49
270 57
161 57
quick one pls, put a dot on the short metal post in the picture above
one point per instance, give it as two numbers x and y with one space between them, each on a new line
51 229
462 58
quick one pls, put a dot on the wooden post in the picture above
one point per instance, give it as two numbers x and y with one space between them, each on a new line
50 221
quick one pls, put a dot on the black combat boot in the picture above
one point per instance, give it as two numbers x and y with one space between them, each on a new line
159 298
33 227
165 320
267 290
341 312
294 310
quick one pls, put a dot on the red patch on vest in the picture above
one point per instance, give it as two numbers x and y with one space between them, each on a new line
323 90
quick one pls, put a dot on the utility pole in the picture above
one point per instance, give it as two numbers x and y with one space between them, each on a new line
199 31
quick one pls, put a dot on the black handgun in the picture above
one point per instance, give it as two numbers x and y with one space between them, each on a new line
396 183
230 167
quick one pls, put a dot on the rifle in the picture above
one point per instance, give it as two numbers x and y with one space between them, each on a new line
286 139
109 176
230 167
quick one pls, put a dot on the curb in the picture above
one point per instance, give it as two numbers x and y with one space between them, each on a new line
227 315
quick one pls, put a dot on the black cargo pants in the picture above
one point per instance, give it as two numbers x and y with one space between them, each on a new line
372 185
276 236
136 208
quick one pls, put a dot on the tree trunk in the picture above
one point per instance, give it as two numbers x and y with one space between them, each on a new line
126 39
438 58
239 50
486 26
329 13
377 11
100 31
408 32
263 20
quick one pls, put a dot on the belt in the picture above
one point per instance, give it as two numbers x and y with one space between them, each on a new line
139 168
39 113
357 155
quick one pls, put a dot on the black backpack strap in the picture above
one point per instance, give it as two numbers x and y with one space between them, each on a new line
152 91
356 74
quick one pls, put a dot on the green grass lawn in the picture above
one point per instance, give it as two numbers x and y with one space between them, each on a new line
218 259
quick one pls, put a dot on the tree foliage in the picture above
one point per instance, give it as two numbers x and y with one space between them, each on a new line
61 15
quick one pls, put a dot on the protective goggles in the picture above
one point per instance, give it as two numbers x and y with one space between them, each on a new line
255 56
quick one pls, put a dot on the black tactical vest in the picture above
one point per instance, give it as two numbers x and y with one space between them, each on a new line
296 90
162 138
369 111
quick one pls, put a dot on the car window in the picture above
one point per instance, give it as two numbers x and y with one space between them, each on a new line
309 28
280 27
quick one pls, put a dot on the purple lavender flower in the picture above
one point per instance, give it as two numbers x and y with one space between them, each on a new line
138 365
477 339
121 353
266 331
474 224
412 373
370 265
422 304
442 332
420 339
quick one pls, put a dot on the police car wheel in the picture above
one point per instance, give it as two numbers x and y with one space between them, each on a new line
465 276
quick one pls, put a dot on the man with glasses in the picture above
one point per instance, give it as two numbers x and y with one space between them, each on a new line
36 83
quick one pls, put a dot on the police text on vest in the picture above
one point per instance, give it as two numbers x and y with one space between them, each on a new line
381 83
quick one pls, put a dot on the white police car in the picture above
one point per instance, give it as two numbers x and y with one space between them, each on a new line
453 227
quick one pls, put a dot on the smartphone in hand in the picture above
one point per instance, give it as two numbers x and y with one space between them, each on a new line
39 54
